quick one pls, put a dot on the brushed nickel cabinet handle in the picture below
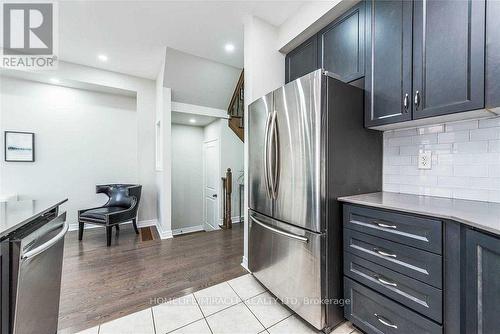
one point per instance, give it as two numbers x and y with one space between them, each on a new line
385 321
385 282
385 225
383 253
417 98
405 102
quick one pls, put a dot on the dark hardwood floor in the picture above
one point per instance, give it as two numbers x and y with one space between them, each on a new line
102 283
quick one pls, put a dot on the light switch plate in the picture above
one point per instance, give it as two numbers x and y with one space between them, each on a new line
425 160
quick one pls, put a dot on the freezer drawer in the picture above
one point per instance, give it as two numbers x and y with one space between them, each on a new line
288 261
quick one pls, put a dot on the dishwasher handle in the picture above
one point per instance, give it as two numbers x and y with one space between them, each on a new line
42 248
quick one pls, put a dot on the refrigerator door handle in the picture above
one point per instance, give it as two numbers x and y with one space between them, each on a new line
279 231
266 156
275 155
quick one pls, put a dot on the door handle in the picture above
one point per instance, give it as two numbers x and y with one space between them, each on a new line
280 232
383 253
416 100
42 248
405 102
214 195
266 156
275 155
385 321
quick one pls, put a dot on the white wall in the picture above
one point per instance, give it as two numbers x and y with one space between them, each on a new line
187 176
82 138
264 72
465 160
199 81
145 111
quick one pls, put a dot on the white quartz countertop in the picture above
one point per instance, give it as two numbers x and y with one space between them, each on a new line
16 214
481 215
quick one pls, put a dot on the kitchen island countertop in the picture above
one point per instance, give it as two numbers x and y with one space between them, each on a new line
15 214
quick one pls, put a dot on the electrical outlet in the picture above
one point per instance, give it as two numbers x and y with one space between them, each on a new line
425 160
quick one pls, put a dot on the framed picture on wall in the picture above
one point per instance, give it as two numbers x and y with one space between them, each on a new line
19 146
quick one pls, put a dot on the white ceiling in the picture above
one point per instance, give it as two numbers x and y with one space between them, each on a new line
133 34
184 119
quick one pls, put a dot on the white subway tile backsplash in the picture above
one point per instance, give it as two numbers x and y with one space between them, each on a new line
485 134
409 150
462 125
453 182
471 147
431 138
439 148
489 123
494 146
430 129
453 137
465 160
471 170
399 141
494 170
471 194
404 132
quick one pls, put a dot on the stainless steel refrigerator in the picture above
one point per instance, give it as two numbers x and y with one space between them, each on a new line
307 147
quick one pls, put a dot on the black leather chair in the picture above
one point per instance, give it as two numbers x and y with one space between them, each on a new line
121 207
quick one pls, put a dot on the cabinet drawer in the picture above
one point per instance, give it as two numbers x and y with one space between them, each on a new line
414 294
374 313
412 262
413 231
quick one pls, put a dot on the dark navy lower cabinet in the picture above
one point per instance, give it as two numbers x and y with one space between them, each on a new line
374 313
483 283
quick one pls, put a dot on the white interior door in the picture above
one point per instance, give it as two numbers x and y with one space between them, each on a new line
211 184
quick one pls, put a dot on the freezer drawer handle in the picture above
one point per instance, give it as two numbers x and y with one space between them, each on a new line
384 281
42 248
277 231
385 321
386 254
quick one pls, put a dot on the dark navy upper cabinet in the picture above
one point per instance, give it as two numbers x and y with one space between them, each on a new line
448 56
388 62
302 60
492 54
341 45
483 283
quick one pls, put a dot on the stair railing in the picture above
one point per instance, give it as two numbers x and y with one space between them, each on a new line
227 189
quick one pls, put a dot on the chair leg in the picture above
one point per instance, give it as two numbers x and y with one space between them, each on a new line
80 230
109 229
134 222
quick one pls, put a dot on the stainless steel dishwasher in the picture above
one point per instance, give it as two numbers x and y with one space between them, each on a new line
37 256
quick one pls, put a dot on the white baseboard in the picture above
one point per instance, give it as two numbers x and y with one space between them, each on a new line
244 263
147 223
190 229
142 223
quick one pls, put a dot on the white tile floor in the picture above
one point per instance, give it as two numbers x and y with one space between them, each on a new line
240 305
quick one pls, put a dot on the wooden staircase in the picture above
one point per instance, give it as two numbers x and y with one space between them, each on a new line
236 110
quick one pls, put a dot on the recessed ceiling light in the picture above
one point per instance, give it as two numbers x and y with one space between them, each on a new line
55 80
192 120
102 57
229 47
